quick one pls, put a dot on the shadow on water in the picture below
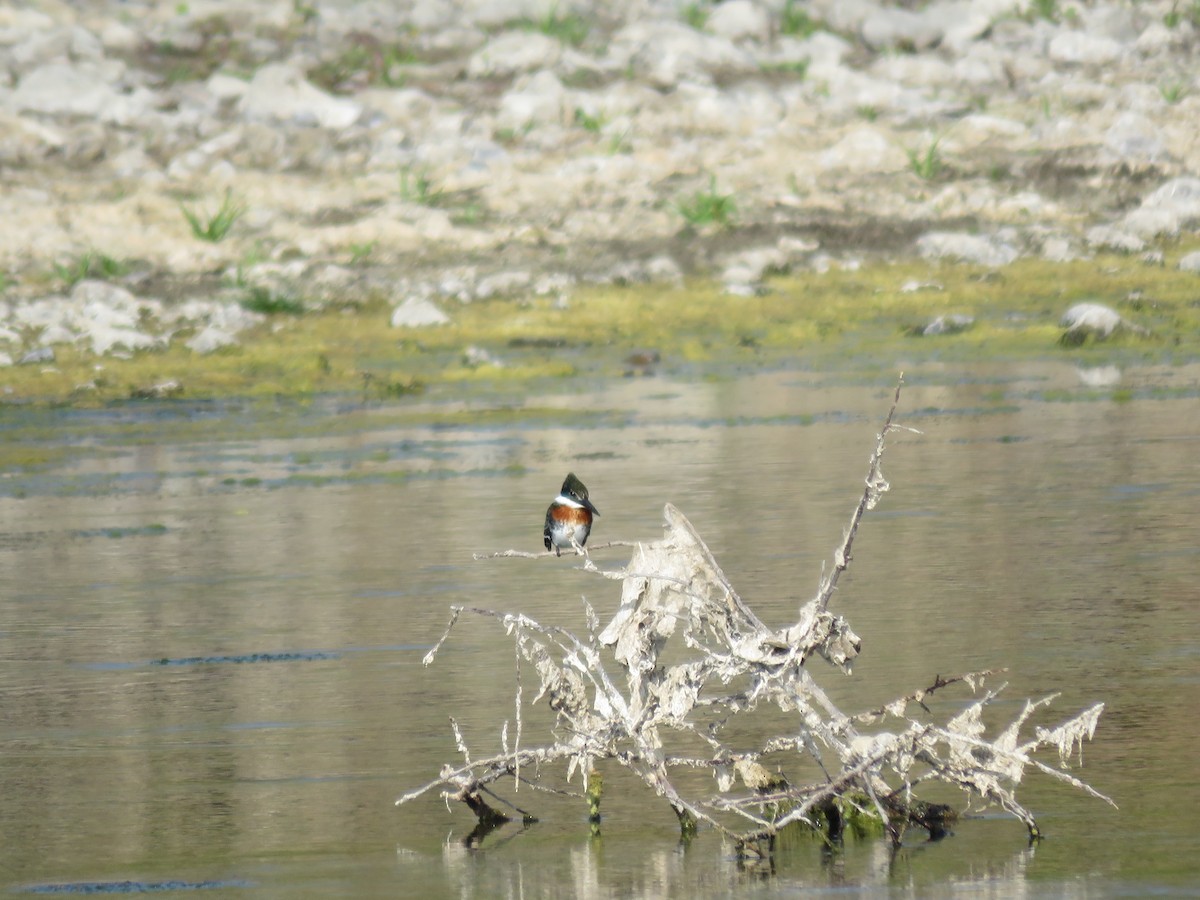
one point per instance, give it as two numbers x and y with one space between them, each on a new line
167 571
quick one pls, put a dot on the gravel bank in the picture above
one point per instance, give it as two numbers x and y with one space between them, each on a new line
433 152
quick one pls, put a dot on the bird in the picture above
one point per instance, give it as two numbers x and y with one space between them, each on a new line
569 518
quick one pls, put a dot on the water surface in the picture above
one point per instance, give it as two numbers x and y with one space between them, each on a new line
212 618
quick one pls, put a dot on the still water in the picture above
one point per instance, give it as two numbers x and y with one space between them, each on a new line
212 620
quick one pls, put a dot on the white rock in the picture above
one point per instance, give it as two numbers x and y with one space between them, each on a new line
739 20
492 13
824 52
1190 262
842 16
95 291
227 87
1111 20
666 53
1180 196
1082 48
120 37
1155 39
503 284
61 89
210 339
280 92
979 129
964 22
417 312
105 339
663 269
57 334
38 355
919 70
970 248
1058 249
474 357
514 52
743 110
1099 376
539 99
1095 318
864 149
954 323
5 360
1151 223
892 27
42 312
1133 137
1110 237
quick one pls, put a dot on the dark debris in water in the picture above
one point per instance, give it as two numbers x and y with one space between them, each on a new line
129 887
120 531
239 658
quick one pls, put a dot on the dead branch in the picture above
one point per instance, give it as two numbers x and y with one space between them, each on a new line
684 655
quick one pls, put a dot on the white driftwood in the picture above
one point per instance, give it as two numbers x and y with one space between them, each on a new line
619 695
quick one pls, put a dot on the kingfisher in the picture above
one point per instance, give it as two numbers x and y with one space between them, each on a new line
569 517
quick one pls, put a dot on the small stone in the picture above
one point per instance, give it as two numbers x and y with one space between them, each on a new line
279 92
1110 237
57 334
1191 262
514 52
1082 48
1180 195
864 150
912 286
1094 319
1058 249
159 391
1099 376
417 312
889 27
969 248
61 89
474 357
106 339
537 100
37 355
954 323
739 20
663 269
209 340
503 284
1134 138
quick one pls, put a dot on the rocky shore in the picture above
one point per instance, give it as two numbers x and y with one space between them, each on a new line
174 172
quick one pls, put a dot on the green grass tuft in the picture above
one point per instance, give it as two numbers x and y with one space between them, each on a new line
927 164
796 22
267 302
90 265
570 28
708 207
213 227
417 187
695 15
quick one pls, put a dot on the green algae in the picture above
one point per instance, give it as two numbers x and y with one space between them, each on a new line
835 320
